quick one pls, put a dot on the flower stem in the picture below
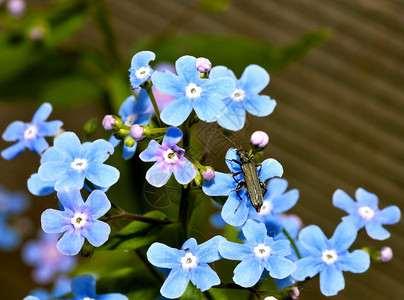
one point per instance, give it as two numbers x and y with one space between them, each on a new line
148 86
234 286
152 270
286 233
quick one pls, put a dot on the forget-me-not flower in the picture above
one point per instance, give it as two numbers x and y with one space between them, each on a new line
133 112
259 252
78 220
330 257
191 92
30 135
47 260
140 71
245 96
189 263
235 211
68 162
38 187
83 288
169 159
364 212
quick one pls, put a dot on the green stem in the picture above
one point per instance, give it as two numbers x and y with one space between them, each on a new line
152 270
140 218
148 86
285 232
234 286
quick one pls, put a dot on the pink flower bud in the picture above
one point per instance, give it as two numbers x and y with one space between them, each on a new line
108 122
294 293
386 254
16 7
259 139
208 175
137 132
203 65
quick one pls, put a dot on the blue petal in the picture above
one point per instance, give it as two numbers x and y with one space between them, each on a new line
234 118
38 145
169 83
39 187
172 137
162 256
221 71
157 175
376 231
70 198
97 204
55 221
102 175
143 102
254 232
279 267
113 296
68 143
281 247
203 277
248 272
259 106
356 220
14 131
308 267
52 154
221 185
127 107
355 262
49 128
176 283
276 187
151 152
234 212
99 151
218 89
389 215
331 280
128 152
270 168
72 178
142 59
96 232
231 157
235 251
13 151
366 198
254 79
313 239
71 242
177 111
343 237
9 237
186 68
83 286
285 202
185 173
208 251
42 113
114 141
342 200
189 245
209 109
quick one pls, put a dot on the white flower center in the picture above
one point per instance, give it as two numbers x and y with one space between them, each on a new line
31 132
238 95
193 91
266 208
366 212
143 72
329 256
130 120
79 164
189 261
170 156
262 251
79 220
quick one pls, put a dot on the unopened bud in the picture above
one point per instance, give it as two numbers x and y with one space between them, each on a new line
129 141
203 65
36 33
109 122
259 139
386 254
294 293
16 7
198 179
209 174
137 132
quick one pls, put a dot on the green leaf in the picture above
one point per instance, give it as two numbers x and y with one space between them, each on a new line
220 199
136 234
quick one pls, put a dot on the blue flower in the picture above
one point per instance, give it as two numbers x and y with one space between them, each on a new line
60 289
38 187
169 159
47 260
258 253
365 212
235 211
30 135
140 70
189 263
192 92
78 220
69 162
83 287
133 112
9 237
245 96
330 257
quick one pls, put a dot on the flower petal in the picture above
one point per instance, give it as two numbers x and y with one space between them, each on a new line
83 286
285 202
151 152
169 83
71 178
39 145
71 242
254 79
208 251
376 231
276 187
270 168
234 118
102 175
97 204
14 131
42 113
172 137
221 71
142 59
355 262
189 245
186 68
176 283
39 187
235 212
366 198
162 256
218 89
96 232
177 111
356 220
343 201
99 151
68 143
203 277
185 173
55 221
307 267
114 141
281 247
389 215
70 198
254 232
157 175
313 239
221 185
248 272
49 128
231 158
331 280
128 152
279 267
259 106
113 296
209 109
343 237
13 151
234 251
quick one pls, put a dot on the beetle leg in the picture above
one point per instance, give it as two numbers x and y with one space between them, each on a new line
235 174
263 187
235 160
239 187
260 166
